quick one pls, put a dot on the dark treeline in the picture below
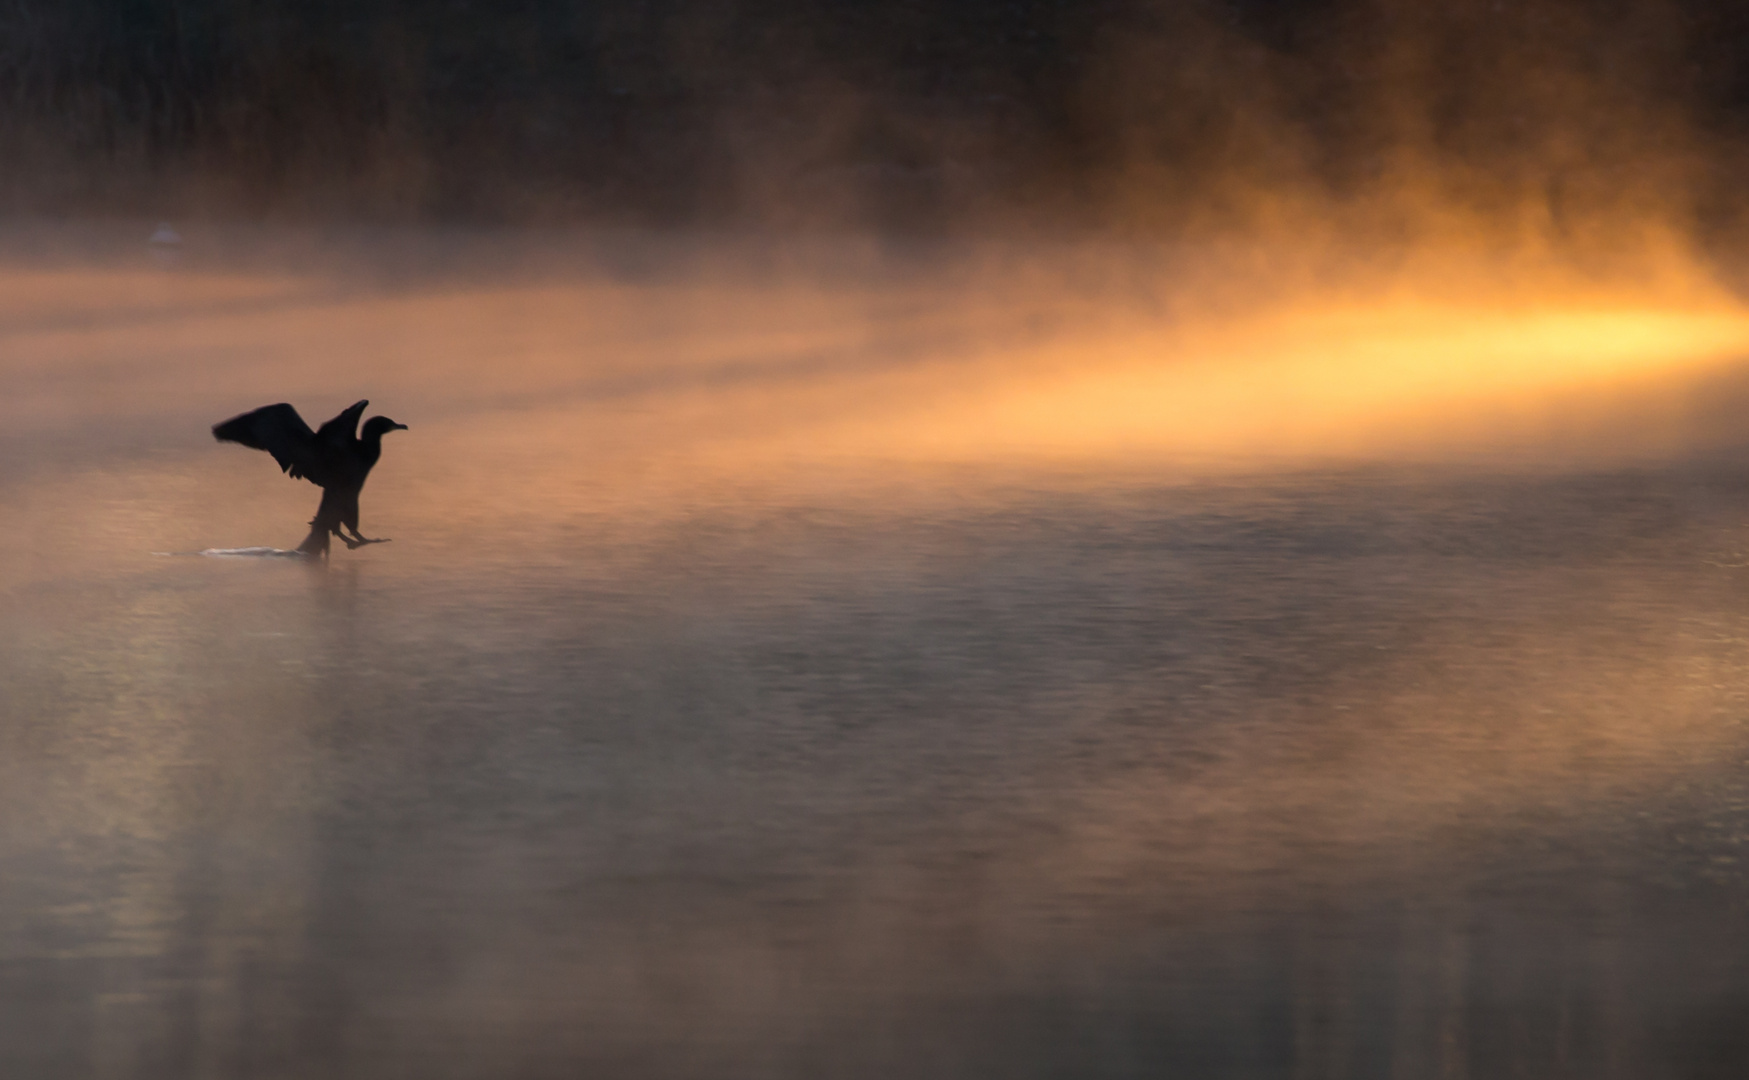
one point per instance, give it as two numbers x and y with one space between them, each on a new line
514 107
910 111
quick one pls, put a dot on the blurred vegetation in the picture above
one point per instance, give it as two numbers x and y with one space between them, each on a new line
658 108
905 112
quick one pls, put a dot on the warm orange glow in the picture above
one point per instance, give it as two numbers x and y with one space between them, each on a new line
554 382
1345 381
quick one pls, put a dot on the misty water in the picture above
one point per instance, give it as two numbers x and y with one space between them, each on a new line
662 743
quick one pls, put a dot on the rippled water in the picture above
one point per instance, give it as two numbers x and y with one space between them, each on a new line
632 759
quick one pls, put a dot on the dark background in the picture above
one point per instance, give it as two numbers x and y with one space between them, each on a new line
1138 114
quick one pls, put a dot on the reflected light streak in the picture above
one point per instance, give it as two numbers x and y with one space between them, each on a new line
1352 381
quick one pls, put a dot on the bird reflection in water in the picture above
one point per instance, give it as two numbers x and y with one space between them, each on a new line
332 457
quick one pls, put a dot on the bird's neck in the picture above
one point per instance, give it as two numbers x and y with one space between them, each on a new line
371 447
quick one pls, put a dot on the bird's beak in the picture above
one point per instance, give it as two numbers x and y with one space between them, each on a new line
400 427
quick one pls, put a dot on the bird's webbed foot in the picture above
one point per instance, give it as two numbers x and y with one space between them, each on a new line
358 540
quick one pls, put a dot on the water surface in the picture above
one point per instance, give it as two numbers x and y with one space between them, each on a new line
640 752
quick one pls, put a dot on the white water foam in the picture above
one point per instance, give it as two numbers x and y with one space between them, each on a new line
241 553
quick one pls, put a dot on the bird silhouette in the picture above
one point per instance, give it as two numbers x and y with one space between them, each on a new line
331 457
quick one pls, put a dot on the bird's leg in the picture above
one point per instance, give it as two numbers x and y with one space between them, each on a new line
315 545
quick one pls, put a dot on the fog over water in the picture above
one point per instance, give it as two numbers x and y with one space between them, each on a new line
867 659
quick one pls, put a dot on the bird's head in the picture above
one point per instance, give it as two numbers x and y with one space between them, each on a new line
377 425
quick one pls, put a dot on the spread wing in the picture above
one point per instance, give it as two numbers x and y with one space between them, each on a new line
279 430
343 429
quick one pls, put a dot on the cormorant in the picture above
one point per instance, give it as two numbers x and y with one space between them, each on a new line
330 457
